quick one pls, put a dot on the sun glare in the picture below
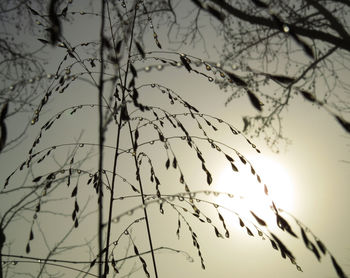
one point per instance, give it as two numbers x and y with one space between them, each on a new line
249 195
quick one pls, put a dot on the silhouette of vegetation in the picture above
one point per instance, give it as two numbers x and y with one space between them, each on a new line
142 138
281 50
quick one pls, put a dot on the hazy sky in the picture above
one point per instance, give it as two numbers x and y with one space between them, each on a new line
314 186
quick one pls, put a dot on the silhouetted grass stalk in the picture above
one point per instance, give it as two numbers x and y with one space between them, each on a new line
184 204
101 137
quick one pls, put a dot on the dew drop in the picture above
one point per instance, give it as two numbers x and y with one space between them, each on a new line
115 243
12 88
126 232
211 79
116 220
153 85
147 68
222 74
81 145
178 64
79 171
14 263
208 67
286 28
31 80
160 67
152 142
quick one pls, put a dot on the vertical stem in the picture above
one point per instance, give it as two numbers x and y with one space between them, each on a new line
117 144
112 195
101 138
115 166
135 159
143 203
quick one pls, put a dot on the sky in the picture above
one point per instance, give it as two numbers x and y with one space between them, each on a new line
308 178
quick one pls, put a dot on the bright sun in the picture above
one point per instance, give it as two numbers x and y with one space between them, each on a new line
249 194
